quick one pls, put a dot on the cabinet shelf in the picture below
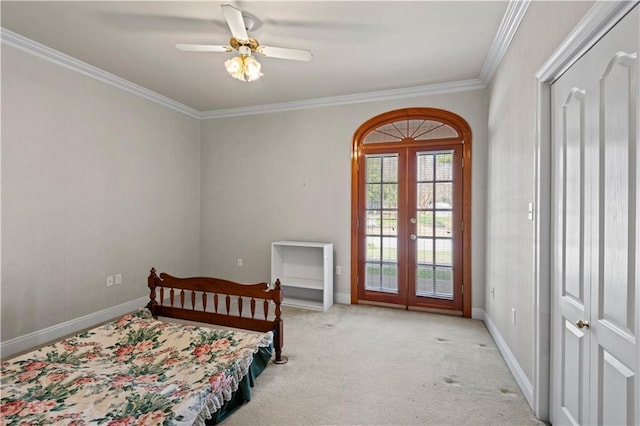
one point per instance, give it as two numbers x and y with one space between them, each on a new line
302 283
305 270
303 303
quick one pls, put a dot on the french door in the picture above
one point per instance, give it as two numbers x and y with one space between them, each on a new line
409 216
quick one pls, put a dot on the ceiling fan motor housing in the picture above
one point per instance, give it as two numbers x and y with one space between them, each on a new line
252 43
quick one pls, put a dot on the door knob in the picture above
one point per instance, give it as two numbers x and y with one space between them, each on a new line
413 236
413 220
582 324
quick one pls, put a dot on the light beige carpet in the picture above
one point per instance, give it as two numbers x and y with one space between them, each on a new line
357 364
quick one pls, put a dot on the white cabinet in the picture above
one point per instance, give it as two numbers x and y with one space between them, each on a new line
305 270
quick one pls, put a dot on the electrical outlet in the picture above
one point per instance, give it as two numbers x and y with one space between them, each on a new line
338 270
110 281
240 262
118 279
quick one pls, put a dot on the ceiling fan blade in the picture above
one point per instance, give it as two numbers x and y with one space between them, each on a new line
202 48
235 21
285 53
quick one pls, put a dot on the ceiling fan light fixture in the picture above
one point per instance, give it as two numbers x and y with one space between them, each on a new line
235 67
252 68
244 67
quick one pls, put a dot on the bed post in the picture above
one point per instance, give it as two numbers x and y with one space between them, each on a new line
278 337
151 282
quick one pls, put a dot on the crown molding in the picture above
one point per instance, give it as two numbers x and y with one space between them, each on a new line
511 20
382 95
30 46
597 22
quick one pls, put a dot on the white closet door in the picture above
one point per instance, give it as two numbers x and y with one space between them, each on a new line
595 234
573 96
615 359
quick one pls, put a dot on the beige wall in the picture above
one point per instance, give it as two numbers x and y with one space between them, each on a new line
287 176
95 181
511 173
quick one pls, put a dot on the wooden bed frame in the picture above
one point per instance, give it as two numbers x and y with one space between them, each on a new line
213 292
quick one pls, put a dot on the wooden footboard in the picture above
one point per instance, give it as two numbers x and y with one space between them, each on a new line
221 302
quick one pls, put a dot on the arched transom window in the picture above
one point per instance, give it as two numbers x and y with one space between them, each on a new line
406 130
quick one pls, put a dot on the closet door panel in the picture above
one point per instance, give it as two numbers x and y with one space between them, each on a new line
616 392
615 352
618 99
573 124
571 245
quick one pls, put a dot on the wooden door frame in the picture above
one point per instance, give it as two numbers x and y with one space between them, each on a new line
464 130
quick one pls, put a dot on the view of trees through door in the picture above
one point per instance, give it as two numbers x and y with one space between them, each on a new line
409 209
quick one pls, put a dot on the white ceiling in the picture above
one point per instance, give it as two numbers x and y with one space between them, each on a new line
359 47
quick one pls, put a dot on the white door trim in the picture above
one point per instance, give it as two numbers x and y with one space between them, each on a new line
596 23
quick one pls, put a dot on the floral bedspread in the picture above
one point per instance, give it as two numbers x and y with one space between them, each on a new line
134 371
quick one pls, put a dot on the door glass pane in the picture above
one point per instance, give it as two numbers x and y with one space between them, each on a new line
381 255
434 215
390 223
373 248
390 278
424 281
444 195
434 282
390 169
425 224
425 250
425 167
373 222
425 195
443 251
374 195
389 250
374 168
373 276
444 283
390 196
381 277
443 223
444 166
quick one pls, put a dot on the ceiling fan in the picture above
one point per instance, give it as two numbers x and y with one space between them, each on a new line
244 67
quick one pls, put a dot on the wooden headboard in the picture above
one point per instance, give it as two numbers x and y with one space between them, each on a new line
221 302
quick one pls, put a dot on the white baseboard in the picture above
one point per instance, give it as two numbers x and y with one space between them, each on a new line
509 358
477 313
40 337
342 298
